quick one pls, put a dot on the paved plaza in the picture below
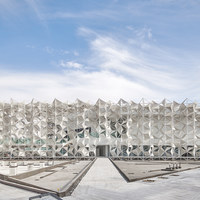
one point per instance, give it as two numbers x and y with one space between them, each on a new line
58 177
25 166
134 170
103 181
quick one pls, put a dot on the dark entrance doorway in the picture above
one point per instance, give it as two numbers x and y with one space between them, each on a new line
102 151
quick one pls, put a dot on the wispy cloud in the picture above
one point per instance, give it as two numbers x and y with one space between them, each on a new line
19 8
143 33
51 50
30 46
70 85
76 53
126 60
8 8
90 14
123 54
119 70
34 5
70 64
153 68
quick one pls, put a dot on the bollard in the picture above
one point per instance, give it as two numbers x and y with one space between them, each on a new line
170 165
13 170
5 163
179 165
30 166
42 164
173 166
13 164
25 163
21 163
50 163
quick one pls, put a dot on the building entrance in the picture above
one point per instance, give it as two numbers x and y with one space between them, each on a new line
102 151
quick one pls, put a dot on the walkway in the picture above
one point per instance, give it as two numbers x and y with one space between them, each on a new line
103 182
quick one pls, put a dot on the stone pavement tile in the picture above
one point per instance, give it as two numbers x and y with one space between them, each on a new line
12 193
104 182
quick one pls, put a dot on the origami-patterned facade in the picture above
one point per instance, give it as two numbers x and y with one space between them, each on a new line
139 130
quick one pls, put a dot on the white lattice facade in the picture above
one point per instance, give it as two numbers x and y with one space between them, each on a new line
139 130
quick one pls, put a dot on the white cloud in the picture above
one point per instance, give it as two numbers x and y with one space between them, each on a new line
112 55
143 33
71 85
88 14
76 53
70 64
8 8
51 50
119 70
30 46
65 52
35 5
155 69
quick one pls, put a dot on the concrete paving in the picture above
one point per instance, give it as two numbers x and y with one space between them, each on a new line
56 178
22 166
52 179
137 170
12 193
104 182
101 181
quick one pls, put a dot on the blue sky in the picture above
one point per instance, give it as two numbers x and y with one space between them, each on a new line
108 49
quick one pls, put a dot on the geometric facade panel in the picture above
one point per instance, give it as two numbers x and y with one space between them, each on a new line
138 130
